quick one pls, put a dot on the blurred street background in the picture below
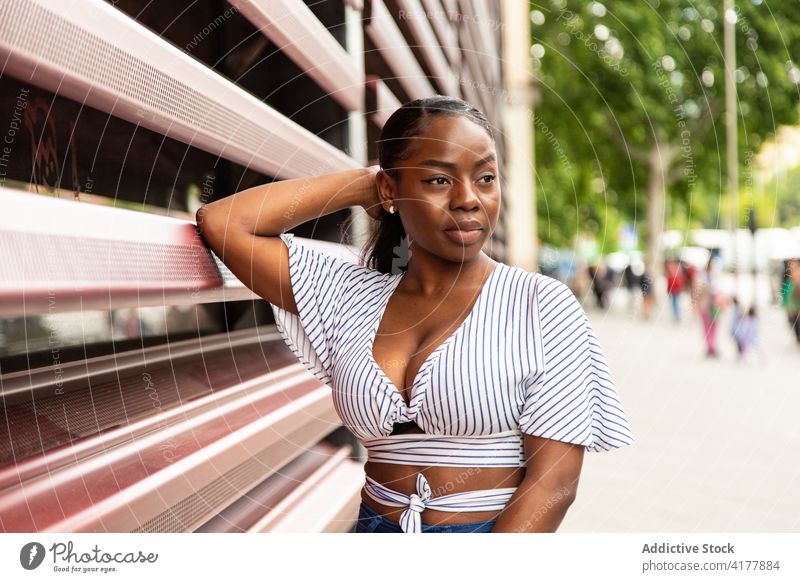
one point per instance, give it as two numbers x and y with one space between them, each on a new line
717 439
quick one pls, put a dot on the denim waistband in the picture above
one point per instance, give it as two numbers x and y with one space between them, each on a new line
370 521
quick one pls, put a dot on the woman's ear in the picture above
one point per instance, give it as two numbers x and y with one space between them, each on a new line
386 189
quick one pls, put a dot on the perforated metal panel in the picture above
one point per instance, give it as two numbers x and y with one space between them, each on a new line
196 509
33 260
113 63
40 425
58 255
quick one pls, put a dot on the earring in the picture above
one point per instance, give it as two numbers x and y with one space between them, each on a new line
391 209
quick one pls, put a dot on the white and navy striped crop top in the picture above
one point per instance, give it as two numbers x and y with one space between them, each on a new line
525 360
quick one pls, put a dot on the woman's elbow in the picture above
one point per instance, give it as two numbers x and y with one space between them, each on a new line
569 494
202 216
564 490
208 226
212 217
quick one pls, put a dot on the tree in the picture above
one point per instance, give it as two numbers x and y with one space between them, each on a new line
632 102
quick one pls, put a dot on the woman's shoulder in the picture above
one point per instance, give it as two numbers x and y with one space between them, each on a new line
334 270
545 285
337 255
540 289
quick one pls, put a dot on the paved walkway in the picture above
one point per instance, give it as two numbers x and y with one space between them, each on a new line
717 441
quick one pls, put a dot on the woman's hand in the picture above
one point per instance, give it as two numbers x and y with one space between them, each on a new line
371 201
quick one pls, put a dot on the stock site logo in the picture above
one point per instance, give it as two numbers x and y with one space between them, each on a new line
401 255
31 555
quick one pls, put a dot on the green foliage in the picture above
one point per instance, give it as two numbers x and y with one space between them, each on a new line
777 203
621 80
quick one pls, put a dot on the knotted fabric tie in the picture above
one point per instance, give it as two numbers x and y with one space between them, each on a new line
415 504
411 518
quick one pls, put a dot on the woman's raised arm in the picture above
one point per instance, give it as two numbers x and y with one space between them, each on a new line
242 229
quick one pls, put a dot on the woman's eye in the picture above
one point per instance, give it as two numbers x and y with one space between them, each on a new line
438 180
487 179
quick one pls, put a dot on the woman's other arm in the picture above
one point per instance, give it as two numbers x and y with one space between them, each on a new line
242 229
548 489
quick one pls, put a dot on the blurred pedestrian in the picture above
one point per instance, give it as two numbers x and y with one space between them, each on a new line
672 272
630 280
600 283
709 305
689 277
736 328
790 296
580 281
750 336
611 280
646 286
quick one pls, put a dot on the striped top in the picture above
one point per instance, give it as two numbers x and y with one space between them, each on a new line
525 361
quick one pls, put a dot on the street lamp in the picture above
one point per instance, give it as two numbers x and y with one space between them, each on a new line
729 20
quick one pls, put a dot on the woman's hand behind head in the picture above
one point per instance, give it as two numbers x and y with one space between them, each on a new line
371 200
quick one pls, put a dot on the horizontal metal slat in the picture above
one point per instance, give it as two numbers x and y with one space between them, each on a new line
427 43
384 33
60 255
386 102
109 61
135 481
444 29
327 501
255 503
292 26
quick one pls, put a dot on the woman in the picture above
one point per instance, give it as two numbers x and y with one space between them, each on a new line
475 386
672 271
790 296
709 304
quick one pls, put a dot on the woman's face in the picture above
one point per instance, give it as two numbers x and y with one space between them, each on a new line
450 177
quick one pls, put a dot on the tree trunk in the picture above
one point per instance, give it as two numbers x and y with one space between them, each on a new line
660 159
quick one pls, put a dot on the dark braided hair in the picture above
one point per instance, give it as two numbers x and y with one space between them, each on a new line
394 145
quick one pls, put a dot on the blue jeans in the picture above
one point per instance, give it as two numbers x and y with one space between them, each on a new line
370 521
675 299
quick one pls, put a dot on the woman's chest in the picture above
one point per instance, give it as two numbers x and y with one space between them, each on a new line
409 333
459 380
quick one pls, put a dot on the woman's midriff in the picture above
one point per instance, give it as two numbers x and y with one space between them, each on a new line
442 481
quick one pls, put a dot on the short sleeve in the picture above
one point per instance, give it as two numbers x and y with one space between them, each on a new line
573 397
319 282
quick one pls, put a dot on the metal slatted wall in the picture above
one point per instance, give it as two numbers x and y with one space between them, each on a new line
143 387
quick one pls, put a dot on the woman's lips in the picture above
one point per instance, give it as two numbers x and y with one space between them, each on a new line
466 237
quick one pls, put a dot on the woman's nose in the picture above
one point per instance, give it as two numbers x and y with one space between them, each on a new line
465 194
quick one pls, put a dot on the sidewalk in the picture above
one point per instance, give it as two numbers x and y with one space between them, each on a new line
717 441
